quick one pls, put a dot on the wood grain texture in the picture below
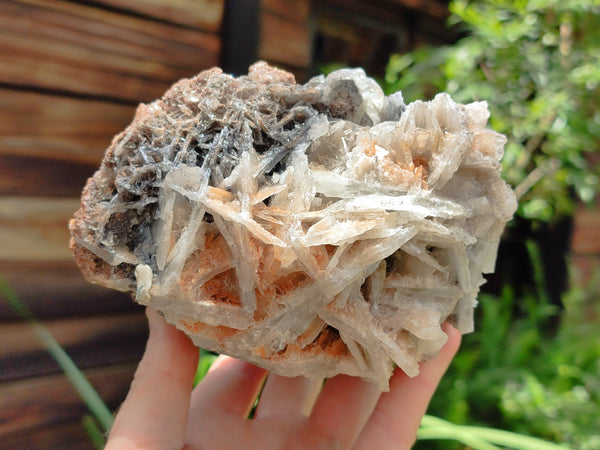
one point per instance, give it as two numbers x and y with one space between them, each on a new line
202 14
284 40
35 229
586 233
297 11
92 341
585 243
41 402
94 52
56 289
33 176
67 435
68 130
50 145
433 8
19 338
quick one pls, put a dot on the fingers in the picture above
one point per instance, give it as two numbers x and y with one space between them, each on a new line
342 409
222 401
288 396
396 418
159 393
230 386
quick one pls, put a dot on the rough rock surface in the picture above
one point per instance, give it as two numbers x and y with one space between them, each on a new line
311 229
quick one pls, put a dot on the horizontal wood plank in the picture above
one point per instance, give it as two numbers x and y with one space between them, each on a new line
433 8
56 289
93 341
586 232
37 176
50 145
297 11
202 14
19 338
90 51
67 435
55 127
35 229
285 41
41 402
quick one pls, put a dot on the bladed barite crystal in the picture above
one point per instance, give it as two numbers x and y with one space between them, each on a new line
310 229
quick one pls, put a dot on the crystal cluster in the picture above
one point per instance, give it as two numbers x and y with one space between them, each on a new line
311 229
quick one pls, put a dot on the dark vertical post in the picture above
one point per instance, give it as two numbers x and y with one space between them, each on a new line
240 35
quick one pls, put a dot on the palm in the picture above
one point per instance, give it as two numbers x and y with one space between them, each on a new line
293 413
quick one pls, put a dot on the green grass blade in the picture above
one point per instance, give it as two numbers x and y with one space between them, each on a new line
513 440
94 432
436 428
83 387
537 263
455 434
481 438
205 360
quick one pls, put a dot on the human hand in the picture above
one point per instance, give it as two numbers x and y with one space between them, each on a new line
162 412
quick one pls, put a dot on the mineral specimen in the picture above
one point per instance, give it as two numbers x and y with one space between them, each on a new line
311 229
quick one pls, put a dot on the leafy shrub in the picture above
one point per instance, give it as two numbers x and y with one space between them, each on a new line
537 64
517 373
560 400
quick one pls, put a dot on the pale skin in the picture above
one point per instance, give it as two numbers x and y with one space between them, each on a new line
162 412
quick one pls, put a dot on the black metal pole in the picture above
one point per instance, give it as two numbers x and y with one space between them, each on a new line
240 35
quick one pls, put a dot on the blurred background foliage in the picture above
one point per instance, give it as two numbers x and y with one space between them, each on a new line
533 364
518 373
537 64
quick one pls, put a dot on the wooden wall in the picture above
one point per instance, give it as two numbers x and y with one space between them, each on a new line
286 36
71 75
585 247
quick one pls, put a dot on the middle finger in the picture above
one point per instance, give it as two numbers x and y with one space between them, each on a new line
230 386
284 395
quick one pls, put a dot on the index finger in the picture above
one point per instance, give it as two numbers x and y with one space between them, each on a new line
154 414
